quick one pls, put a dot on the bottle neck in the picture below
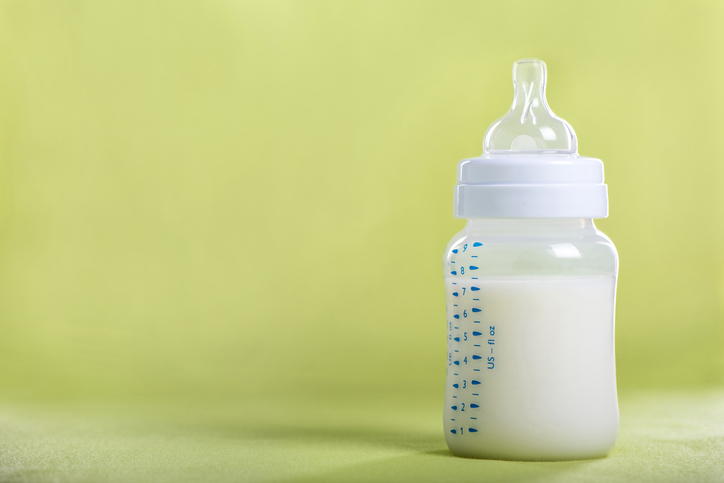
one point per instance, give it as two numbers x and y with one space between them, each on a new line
519 226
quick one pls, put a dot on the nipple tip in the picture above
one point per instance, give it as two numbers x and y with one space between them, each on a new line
529 60
529 70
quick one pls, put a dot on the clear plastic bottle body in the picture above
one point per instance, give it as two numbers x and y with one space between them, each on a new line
530 326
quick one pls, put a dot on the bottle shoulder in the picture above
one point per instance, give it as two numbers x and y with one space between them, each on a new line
570 252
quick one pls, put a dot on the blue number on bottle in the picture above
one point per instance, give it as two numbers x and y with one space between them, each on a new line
463 409
465 313
463 290
466 359
492 330
465 247
462 270
465 383
465 335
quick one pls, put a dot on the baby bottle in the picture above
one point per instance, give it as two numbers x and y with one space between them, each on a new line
530 289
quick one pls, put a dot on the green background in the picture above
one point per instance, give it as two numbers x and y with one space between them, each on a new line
244 205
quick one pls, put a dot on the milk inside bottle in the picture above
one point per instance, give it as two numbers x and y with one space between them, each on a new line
530 287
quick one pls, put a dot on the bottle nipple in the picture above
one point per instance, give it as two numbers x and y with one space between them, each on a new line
530 126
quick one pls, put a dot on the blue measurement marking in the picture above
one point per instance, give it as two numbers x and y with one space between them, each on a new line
454 273
474 256
476 310
455 397
455 305
477 244
474 278
452 419
475 333
476 394
453 431
457 350
476 321
476 370
455 294
474 289
476 345
455 373
456 327
455 408
477 300
455 251
474 382
452 262
457 339
472 430
474 406
475 358
472 417
454 283
473 267
457 363
456 316
456 386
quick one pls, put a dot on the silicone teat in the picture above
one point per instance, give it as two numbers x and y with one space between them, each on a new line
530 126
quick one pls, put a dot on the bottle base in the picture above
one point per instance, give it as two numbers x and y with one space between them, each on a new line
545 454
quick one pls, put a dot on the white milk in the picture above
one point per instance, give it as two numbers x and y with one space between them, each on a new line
531 369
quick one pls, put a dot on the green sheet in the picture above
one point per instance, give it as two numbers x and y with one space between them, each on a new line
664 436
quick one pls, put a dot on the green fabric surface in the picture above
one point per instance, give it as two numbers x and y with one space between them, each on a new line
665 436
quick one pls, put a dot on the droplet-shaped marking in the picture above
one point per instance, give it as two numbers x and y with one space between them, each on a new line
453 431
474 382
455 294
476 310
477 244
474 289
455 251
472 430
476 333
473 267
454 408
454 272
456 386
475 358
474 406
